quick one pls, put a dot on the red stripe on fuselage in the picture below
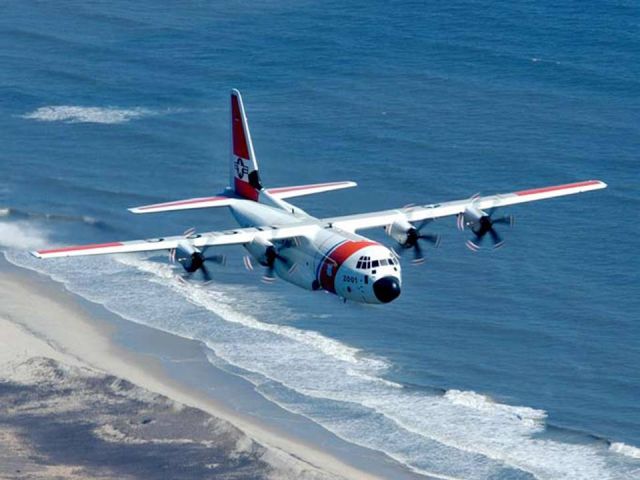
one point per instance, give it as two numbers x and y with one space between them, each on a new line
81 247
533 191
245 190
240 148
334 260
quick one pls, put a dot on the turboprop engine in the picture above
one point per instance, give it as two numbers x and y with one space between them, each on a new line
482 223
193 259
409 236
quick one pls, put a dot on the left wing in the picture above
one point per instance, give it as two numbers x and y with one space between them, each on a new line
438 210
227 237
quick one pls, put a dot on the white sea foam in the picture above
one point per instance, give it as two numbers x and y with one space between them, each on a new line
21 236
79 114
624 449
216 302
484 403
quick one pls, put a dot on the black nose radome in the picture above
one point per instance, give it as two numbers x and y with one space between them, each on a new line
386 289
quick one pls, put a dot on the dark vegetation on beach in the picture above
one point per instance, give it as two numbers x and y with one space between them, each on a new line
66 422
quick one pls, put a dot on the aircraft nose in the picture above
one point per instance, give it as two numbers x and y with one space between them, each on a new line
386 289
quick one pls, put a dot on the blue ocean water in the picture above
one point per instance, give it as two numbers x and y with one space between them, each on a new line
521 363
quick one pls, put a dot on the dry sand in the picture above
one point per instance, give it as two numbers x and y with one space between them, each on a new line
73 404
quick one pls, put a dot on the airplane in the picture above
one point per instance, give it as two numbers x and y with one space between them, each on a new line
317 253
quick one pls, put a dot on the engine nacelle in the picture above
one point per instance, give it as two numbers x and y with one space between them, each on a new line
472 218
401 231
188 256
262 250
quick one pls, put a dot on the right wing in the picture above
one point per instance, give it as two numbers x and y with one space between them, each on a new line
438 210
227 237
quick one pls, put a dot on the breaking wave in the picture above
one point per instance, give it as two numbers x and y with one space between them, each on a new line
624 449
18 214
78 114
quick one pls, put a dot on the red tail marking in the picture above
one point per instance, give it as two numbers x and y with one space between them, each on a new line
245 190
335 259
240 148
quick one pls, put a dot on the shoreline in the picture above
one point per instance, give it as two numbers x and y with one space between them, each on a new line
177 368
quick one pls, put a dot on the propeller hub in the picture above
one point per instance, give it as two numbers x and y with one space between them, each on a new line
197 260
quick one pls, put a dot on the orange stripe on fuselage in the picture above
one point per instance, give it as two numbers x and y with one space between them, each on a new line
334 260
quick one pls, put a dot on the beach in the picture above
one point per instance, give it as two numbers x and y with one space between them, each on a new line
76 404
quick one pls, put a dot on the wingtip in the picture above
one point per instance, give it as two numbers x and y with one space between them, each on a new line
35 253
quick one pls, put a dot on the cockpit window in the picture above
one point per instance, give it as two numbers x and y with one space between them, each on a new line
365 263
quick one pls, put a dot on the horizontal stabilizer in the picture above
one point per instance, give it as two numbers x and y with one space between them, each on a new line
203 202
301 190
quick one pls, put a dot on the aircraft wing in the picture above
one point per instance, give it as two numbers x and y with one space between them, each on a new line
438 210
227 237
187 204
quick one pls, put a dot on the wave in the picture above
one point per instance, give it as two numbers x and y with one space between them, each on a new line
624 449
221 307
79 114
18 214
450 434
485 403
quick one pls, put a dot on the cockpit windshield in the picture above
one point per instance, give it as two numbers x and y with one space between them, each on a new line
365 263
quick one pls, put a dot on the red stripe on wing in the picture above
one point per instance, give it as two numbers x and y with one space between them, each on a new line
81 247
335 259
533 191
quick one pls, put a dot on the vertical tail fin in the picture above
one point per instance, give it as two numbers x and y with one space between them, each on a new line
245 180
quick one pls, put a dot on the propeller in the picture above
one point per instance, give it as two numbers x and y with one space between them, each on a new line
193 259
414 236
199 261
483 226
271 256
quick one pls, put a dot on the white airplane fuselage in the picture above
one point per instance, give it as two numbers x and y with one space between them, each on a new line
339 262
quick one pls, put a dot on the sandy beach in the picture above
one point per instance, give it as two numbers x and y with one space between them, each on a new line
76 404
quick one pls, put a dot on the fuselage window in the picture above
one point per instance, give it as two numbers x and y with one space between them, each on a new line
383 262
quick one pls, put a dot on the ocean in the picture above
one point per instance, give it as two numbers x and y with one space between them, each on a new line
520 363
